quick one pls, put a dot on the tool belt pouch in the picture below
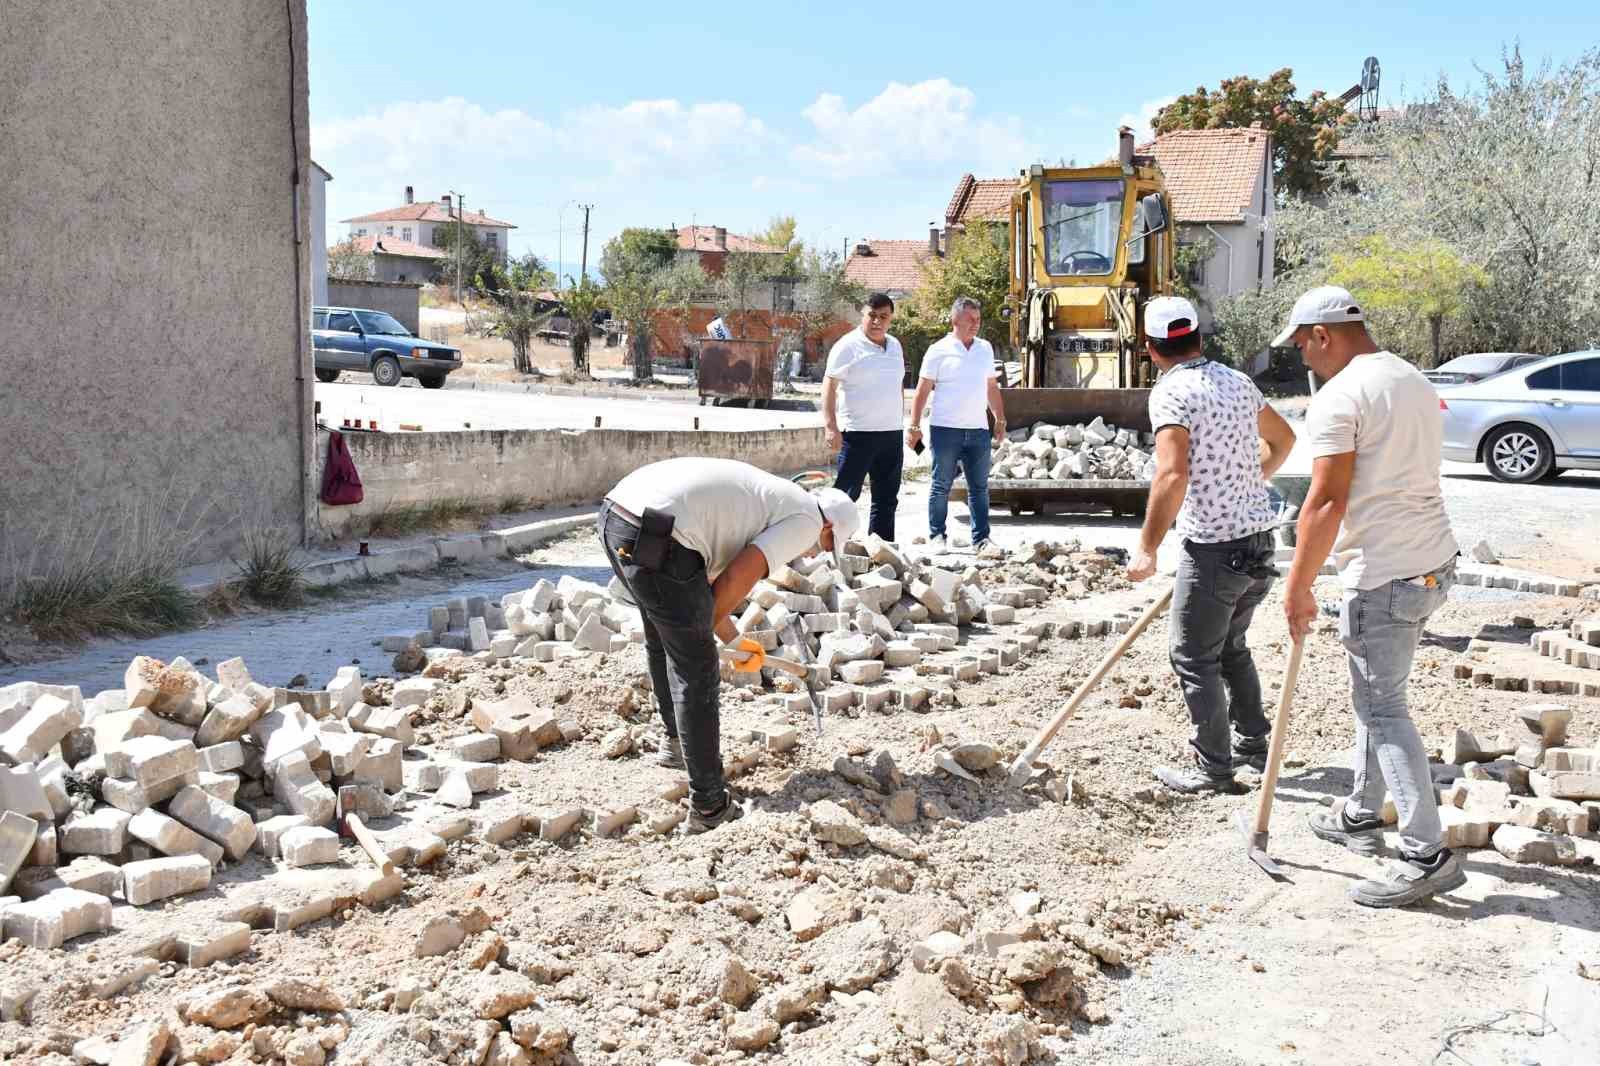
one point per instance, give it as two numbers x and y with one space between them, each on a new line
655 537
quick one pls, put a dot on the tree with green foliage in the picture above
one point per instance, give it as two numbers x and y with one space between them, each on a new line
480 264
642 277
976 263
823 293
518 313
1425 279
780 233
743 274
347 262
1304 131
580 300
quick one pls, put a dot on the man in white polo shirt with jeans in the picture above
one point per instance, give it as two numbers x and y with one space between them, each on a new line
1375 436
958 371
1211 477
863 405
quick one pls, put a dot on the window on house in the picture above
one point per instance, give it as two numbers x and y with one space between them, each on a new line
492 239
783 297
362 232
388 231
405 233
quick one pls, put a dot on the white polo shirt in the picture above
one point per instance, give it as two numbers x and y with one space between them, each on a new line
871 383
960 377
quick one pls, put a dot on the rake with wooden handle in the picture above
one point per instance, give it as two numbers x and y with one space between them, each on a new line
1255 831
1022 765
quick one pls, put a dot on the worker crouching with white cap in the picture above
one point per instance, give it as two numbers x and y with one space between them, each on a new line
689 538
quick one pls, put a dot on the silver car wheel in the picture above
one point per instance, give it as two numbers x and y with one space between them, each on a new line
1516 454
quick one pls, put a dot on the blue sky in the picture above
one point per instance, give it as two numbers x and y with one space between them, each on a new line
857 124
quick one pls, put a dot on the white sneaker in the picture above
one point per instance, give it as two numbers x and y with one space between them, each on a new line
938 543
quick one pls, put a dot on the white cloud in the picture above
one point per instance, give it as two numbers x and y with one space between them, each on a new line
1147 114
907 129
649 136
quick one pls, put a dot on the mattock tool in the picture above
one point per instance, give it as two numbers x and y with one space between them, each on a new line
1255 831
789 666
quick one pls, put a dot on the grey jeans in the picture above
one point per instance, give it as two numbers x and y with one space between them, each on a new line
1218 589
1380 629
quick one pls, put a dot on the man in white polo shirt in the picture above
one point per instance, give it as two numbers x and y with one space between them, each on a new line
863 403
1375 436
1217 442
958 371
689 538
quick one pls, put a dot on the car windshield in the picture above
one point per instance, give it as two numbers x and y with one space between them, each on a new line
378 322
1082 223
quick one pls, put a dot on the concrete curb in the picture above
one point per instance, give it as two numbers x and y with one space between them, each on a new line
419 558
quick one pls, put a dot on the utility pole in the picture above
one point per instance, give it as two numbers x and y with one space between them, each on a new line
583 269
461 211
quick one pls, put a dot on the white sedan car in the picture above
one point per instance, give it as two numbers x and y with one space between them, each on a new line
1530 423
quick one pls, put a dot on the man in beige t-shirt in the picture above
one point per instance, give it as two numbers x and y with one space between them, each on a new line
1375 435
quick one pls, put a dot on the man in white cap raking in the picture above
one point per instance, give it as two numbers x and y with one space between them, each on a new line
1375 432
689 538
1217 442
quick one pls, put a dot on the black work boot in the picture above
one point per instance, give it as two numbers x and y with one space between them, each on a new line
1194 781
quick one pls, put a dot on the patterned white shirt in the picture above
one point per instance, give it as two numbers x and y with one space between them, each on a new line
1221 408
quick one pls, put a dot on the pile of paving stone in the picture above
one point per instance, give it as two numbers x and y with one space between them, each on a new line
1537 801
1047 452
881 607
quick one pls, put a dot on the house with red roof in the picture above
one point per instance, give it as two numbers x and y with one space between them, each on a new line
1219 183
410 232
892 267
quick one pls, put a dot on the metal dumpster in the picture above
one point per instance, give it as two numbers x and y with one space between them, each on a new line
737 371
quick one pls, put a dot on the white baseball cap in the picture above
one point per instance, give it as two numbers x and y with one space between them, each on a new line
840 512
1168 317
1324 305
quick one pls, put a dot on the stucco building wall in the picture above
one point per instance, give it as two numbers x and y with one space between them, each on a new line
155 283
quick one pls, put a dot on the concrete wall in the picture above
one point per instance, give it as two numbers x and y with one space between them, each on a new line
399 300
154 285
405 270
543 466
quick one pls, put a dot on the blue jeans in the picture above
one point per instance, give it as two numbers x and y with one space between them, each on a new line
1218 590
878 455
1380 629
970 448
680 645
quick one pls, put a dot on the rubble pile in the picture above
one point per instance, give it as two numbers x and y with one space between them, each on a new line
1045 452
1537 801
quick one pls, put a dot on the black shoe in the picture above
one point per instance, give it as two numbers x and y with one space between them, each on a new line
1337 827
704 821
1194 782
1255 760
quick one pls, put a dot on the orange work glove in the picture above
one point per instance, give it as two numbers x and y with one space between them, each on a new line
757 655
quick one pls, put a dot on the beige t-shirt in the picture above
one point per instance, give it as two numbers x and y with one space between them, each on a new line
722 506
1384 410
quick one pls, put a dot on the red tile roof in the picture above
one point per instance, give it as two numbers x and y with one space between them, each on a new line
704 239
428 211
979 199
1211 175
396 246
887 266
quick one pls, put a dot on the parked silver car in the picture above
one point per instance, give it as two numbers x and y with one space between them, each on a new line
1465 369
1529 423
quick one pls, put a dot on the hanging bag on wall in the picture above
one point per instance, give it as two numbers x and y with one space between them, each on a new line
340 482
